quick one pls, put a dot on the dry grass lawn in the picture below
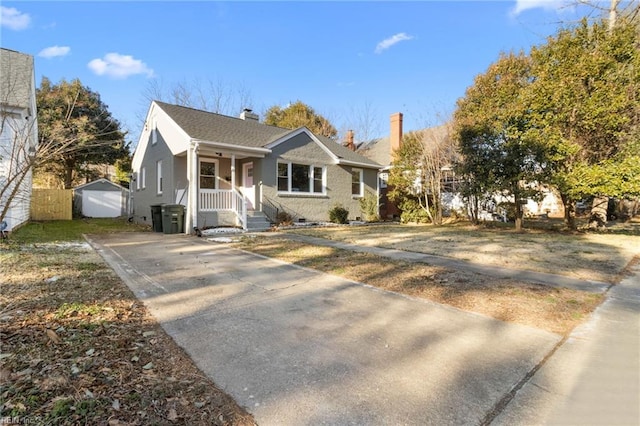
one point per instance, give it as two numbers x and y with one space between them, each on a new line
79 349
586 255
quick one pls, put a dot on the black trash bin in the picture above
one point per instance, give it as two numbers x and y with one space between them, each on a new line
172 218
156 217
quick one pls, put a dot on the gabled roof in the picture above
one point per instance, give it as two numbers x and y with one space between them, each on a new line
345 155
212 127
379 150
16 85
222 129
101 180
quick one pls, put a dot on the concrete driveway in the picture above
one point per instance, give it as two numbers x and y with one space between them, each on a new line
299 347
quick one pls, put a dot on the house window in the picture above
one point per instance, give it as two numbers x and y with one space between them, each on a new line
136 176
384 179
318 179
208 173
154 132
159 177
301 178
143 178
357 185
283 177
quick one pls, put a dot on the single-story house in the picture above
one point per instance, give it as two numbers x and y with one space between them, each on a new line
101 198
230 171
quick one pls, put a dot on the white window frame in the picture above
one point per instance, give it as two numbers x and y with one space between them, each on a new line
143 177
312 171
361 182
136 176
217 174
154 131
384 180
159 177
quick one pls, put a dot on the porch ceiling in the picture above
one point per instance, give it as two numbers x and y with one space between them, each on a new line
222 150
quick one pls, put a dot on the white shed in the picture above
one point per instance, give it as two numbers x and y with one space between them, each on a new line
101 198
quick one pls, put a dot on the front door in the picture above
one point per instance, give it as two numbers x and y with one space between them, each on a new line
248 188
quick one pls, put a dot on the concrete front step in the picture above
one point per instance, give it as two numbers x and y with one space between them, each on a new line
257 221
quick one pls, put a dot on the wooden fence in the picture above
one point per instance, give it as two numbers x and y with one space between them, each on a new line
51 204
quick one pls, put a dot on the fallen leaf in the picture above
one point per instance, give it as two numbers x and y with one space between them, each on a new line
115 405
53 336
148 333
135 358
199 404
148 366
173 416
90 352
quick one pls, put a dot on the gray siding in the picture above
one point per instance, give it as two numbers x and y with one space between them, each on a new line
142 199
304 150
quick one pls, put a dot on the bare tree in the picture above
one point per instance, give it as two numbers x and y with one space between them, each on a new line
213 95
418 173
363 119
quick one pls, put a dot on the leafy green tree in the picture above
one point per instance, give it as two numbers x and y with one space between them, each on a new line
585 107
123 169
491 123
297 115
78 129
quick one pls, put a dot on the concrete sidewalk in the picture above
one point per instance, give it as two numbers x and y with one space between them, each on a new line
594 377
298 347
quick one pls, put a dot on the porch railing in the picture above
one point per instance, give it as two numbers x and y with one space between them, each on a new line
232 200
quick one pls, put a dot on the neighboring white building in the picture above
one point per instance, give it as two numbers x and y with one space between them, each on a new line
18 135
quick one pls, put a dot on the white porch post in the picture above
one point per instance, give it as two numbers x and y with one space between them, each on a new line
233 181
192 197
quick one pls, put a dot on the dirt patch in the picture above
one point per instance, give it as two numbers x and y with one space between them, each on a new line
552 309
78 348
588 256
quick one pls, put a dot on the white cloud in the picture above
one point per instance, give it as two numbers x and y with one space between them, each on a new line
53 51
13 19
119 66
522 5
388 42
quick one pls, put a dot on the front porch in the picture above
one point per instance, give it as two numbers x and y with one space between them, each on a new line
221 191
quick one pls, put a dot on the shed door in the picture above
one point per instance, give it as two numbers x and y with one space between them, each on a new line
101 203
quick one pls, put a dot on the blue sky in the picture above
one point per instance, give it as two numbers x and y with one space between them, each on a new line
341 58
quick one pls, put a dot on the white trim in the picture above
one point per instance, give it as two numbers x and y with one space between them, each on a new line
344 162
313 137
361 173
312 168
143 172
232 147
159 177
99 180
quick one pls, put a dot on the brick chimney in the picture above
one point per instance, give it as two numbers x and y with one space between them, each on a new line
349 142
395 137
